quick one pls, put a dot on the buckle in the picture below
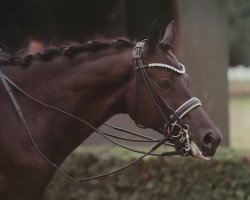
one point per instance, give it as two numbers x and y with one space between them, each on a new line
137 50
137 53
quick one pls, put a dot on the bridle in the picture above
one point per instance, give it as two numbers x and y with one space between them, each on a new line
175 131
173 126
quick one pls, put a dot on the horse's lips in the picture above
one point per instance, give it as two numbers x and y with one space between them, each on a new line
197 152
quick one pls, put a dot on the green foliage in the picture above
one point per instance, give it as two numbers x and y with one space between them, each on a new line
155 178
239 32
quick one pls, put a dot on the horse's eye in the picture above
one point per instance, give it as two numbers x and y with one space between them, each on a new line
164 83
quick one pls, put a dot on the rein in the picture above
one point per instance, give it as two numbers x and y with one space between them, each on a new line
175 131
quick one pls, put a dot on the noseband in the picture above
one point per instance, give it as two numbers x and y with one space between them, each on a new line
174 127
175 131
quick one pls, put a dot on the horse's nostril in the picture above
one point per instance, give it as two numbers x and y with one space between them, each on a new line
208 140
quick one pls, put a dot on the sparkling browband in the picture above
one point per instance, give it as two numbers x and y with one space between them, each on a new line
137 55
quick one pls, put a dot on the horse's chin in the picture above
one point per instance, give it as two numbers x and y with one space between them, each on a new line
196 152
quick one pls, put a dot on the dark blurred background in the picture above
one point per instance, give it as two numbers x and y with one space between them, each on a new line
59 20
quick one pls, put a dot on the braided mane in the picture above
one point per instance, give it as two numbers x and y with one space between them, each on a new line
70 50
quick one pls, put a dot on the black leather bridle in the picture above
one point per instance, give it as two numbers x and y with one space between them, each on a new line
175 131
173 126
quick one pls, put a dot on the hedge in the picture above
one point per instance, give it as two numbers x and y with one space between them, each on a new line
223 178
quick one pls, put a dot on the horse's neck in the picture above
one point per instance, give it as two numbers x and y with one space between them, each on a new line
93 91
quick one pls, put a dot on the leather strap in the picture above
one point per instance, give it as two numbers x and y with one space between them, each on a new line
187 106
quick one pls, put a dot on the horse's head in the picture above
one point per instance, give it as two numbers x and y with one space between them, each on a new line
156 92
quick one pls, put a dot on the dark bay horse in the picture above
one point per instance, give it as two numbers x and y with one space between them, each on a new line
93 81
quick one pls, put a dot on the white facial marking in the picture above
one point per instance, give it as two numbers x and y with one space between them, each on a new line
197 152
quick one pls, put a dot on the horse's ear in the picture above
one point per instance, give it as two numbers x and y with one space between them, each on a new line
154 35
169 36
